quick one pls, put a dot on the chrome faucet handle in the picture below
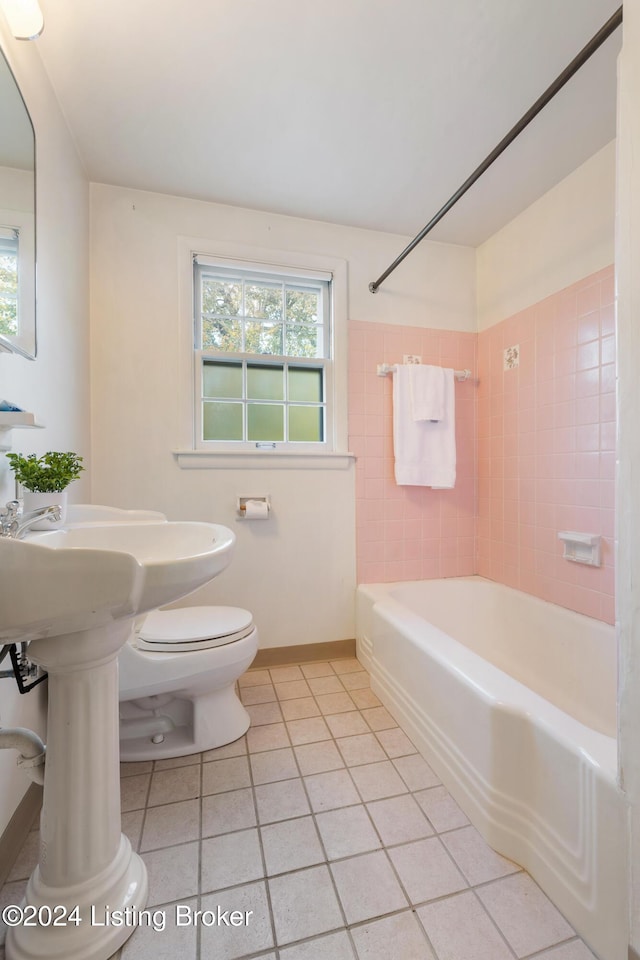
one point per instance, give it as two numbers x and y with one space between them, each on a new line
9 518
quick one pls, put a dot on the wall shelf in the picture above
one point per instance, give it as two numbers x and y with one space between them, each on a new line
15 420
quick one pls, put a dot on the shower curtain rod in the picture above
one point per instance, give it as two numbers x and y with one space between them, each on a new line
596 41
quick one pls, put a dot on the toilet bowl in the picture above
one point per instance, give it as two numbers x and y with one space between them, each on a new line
177 676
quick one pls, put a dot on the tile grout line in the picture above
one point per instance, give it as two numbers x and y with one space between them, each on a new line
320 839
262 853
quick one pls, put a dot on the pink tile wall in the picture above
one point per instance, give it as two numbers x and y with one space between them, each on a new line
546 446
409 533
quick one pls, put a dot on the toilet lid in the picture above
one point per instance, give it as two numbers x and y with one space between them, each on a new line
193 628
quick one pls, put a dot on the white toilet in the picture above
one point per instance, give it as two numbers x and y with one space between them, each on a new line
177 681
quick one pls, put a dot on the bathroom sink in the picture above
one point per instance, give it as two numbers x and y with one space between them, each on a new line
73 592
67 580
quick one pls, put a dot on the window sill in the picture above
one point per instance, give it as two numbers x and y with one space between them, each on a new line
263 459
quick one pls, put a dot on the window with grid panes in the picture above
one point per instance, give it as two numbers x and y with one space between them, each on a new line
263 355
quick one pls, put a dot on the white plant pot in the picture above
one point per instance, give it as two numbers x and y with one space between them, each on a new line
35 501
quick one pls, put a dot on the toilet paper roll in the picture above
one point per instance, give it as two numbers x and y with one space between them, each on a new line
256 510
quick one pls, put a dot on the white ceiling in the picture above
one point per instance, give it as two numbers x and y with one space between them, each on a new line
369 113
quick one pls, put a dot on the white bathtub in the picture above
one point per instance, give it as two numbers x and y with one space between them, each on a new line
512 700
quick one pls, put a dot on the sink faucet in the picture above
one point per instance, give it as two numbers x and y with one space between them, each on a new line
14 522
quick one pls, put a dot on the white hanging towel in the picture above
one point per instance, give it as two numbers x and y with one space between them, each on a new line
427 386
425 452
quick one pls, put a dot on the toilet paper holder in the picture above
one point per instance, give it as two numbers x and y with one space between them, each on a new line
242 505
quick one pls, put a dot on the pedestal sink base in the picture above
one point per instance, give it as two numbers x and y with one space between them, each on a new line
85 860
121 887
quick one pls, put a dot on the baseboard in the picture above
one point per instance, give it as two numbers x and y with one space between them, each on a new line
305 653
17 829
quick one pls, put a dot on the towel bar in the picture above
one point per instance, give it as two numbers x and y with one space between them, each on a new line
384 369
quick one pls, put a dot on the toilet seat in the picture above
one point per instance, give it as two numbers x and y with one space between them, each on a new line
193 628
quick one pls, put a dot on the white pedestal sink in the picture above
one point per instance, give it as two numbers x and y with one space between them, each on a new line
73 593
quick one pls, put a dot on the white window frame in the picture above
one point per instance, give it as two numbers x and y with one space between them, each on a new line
194 452
323 363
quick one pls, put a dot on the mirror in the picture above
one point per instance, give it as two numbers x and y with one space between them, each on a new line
17 220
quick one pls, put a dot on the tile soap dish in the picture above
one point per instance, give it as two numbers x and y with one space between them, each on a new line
581 547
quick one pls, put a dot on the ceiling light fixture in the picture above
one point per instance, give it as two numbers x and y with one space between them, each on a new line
24 18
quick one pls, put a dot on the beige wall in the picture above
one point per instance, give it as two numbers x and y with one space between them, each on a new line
55 386
566 235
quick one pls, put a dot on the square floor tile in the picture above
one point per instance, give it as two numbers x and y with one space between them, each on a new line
269 736
426 870
576 950
327 791
226 812
133 792
262 713
478 862
236 749
222 775
365 699
335 703
395 742
459 929
300 709
263 693
274 765
363 748
135 769
318 757
170 824
379 718
325 685
169 763
173 941
292 690
291 845
378 780
132 827
254 678
367 887
347 724
311 730
346 832
398 936
442 810
228 943
182 783
230 859
317 669
355 681
350 665
332 946
399 819
173 873
285 674
526 917
304 904
416 772
281 801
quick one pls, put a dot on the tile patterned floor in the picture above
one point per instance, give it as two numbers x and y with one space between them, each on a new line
328 825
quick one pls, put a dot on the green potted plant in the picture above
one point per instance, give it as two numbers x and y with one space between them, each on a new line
45 479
